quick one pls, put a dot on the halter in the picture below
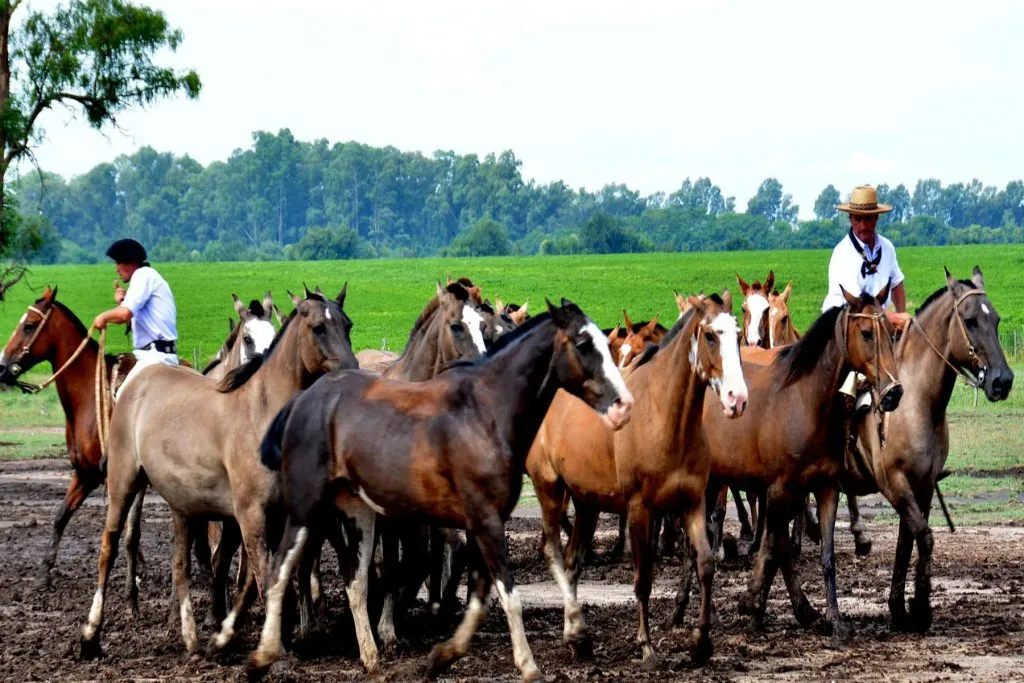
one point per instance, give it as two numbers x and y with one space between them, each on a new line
968 378
876 326
15 367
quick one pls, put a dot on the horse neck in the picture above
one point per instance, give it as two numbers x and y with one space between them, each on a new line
926 378
280 377
670 389
423 357
819 386
76 386
518 378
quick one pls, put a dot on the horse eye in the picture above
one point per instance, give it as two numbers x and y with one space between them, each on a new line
867 334
971 322
320 328
585 344
29 327
785 318
711 337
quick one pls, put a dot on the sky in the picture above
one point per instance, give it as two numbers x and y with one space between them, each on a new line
594 92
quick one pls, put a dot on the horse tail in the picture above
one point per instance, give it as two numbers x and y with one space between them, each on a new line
270 449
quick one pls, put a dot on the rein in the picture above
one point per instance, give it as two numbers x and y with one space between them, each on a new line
967 377
29 388
876 325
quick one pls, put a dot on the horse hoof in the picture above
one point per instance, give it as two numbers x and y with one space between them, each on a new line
862 548
920 617
582 646
650 659
439 659
678 617
745 605
807 616
255 669
90 648
702 648
840 634
532 675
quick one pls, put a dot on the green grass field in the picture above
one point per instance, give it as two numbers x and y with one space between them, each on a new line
384 298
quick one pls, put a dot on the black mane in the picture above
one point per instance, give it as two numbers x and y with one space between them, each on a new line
799 359
652 349
515 335
938 293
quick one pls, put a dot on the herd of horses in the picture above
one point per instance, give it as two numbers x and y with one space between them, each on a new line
409 465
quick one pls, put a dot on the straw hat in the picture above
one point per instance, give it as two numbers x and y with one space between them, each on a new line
864 202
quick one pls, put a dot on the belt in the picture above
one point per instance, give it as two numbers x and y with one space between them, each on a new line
161 346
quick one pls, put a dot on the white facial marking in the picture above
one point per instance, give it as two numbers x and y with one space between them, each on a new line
624 354
262 334
327 313
373 506
757 304
475 322
727 330
985 308
607 366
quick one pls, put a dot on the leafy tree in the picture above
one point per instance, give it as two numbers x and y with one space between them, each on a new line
325 244
93 54
771 203
602 234
487 237
825 205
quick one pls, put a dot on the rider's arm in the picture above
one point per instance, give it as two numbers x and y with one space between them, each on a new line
119 315
899 298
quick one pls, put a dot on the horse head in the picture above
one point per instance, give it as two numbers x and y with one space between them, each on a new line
780 326
32 341
755 309
636 341
256 331
868 340
582 364
715 351
325 333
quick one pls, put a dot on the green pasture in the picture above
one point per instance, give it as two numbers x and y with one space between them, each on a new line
385 296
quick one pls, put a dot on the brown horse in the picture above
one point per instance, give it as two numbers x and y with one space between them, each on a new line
450 450
788 446
955 331
637 338
196 442
755 309
657 464
50 332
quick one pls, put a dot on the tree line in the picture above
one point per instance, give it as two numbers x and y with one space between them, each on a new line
283 198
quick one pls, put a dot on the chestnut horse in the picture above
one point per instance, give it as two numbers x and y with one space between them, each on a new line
196 442
657 464
450 451
955 331
788 445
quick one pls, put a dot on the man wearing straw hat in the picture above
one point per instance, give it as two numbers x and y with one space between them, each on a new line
147 304
865 262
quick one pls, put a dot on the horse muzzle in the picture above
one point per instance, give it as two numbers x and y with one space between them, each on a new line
890 400
618 413
998 384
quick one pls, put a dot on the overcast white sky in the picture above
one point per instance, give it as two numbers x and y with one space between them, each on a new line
595 92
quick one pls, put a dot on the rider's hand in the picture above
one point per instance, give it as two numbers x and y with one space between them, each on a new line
100 322
118 292
899 320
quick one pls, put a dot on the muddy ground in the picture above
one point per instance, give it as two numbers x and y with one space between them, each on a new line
977 635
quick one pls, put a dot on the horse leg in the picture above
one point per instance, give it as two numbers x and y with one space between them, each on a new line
758 501
444 654
363 520
901 494
181 582
746 528
811 526
620 540
120 500
920 606
391 572
687 569
897 601
132 537
643 567
252 525
229 538
270 648
200 534
460 555
828 503
309 559
439 552
755 601
78 490
717 522
574 631
799 524
696 528
802 610
861 540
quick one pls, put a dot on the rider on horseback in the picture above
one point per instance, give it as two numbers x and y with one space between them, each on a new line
147 304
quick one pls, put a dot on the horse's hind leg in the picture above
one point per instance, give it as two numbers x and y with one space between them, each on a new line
696 526
181 582
308 562
389 540
118 505
862 542
643 569
78 490
805 614
914 517
574 630
230 538
132 537
828 502
746 528
754 600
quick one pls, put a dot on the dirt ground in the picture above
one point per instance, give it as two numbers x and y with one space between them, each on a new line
977 635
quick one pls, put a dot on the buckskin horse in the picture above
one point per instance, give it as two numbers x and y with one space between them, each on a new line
448 451
196 442
788 446
658 463
955 332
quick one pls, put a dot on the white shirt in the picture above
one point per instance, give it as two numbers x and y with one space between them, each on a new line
154 314
845 269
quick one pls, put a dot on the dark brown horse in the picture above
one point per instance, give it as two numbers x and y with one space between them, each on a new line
955 331
196 441
789 446
450 451
657 464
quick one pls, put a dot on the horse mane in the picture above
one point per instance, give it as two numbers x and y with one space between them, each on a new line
211 365
243 373
651 350
78 325
425 315
256 309
799 359
509 338
938 293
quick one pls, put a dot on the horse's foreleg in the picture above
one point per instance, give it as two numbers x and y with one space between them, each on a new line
78 490
914 516
308 562
363 521
132 538
746 528
444 654
389 539
828 503
901 562
754 601
574 630
620 540
796 543
805 614
228 541
716 523
696 528
862 542
643 569
117 510
181 583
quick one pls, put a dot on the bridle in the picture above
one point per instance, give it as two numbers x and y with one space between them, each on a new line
15 367
968 377
877 330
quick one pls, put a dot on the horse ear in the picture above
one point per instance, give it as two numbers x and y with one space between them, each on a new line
727 301
653 325
49 294
318 291
883 294
499 307
629 323
440 288
977 278
342 294
278 316
951 282
268 305
239 306
305 291
695 302
769 281
231 324
614 334
744 287
680 300
850 298
786 292
294 297
556 313
519 317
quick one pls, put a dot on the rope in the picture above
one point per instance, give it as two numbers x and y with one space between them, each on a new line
35 389
103 399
